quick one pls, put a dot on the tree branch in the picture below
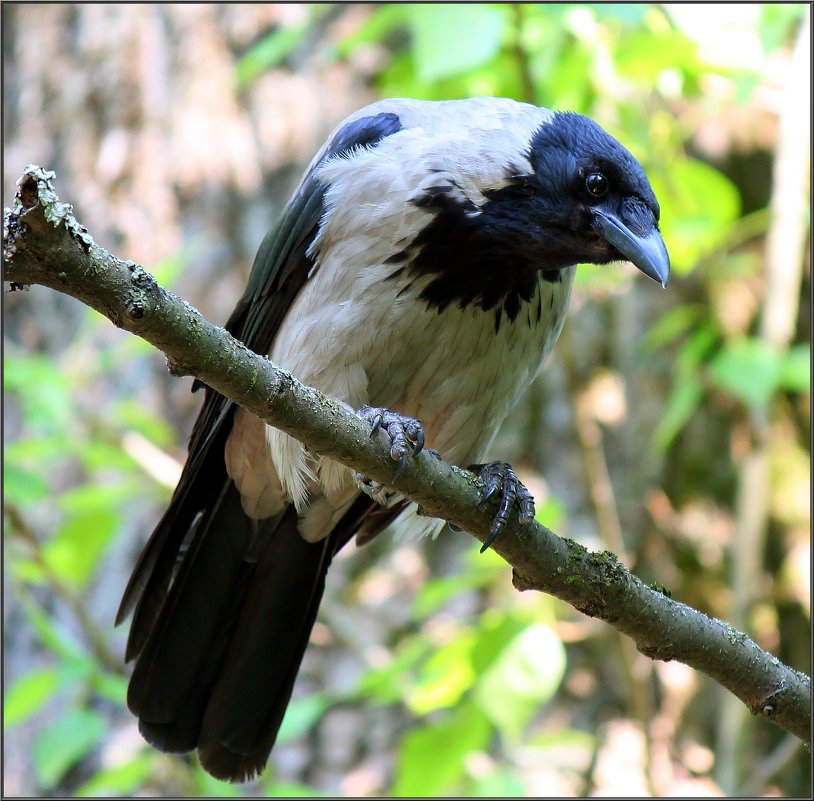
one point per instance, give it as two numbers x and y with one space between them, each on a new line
43 244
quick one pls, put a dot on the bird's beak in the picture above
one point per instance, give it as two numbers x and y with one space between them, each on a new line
647 252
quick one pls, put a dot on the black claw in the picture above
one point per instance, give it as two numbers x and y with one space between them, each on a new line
499 476
491 489
491 538
419 442
406 435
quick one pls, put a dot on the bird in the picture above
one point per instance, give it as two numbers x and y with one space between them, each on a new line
420 274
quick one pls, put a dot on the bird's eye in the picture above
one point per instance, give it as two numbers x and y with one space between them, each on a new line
596 184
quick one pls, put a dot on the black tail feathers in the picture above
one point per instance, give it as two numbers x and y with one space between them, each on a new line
216 663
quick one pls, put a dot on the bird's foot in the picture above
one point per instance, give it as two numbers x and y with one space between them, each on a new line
499 477
406 437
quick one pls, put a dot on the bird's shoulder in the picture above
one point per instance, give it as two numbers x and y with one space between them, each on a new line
474 145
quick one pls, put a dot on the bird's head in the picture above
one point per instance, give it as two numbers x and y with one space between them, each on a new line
500 205
593 199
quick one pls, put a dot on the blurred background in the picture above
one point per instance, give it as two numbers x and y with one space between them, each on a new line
671 427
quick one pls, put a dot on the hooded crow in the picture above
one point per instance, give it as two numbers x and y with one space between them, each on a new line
420 274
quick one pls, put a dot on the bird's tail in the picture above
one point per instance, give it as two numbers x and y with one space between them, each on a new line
217 661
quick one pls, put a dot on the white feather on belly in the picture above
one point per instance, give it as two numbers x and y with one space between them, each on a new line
453 372
363 336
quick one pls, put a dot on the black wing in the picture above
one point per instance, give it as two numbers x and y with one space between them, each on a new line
280 269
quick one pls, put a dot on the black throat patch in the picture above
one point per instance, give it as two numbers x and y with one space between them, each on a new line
491 256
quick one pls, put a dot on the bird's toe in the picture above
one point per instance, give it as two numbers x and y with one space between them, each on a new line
499 478
406 434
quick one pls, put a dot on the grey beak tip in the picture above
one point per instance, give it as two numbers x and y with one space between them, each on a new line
648 252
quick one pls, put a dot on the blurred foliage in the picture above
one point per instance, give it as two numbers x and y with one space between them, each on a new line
63 428
479 687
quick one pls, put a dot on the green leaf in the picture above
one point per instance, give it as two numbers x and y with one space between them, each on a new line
28 695
388 684
273 49
684 399
120 780
445 676
432 758
697 349
98 455
629 13
745 86
37 452
452 38
698 206
74 553
687 390
437 591
269 52
550 513
51 637
111 687
525 675
795 369
641 56
81 668
500 783
210 787
43 389
672 325
27 570
131 415
496 631
749 370
301 715
564 738
379 25
777 23
89 499
566 79
23 486
67 740
291 790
